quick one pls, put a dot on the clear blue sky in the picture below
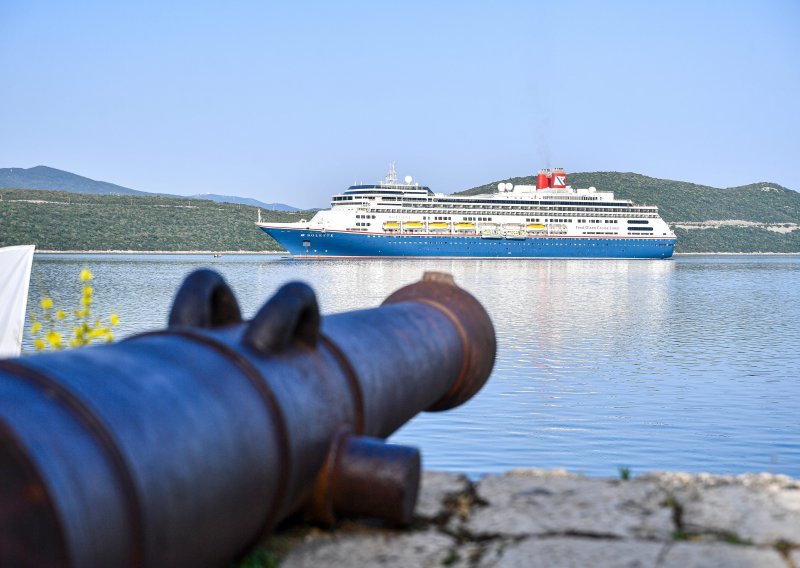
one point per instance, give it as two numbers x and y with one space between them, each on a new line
293 101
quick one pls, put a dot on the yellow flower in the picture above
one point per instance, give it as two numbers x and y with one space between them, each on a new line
57 330
96 333
54 338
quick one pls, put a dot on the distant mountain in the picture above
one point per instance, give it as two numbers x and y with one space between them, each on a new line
46 178
245 201
43 177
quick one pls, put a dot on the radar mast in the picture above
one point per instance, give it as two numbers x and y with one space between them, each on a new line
391 177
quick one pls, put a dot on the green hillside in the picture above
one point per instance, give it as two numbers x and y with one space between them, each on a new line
67 221
54 220
736 239
679 202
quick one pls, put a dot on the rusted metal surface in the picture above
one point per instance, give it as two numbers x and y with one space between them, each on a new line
371 478
185 446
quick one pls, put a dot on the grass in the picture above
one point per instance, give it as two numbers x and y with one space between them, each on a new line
259 558
451 558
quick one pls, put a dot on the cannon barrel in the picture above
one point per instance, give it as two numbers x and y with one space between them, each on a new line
185 446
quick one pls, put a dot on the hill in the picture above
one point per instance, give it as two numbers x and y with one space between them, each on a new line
55 220
759 217
52 179
245 201
43 177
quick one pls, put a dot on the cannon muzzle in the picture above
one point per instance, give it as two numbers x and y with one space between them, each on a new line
185 446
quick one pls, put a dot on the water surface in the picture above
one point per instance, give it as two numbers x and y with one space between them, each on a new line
689 364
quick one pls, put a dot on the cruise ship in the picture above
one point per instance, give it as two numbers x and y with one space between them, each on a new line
548 220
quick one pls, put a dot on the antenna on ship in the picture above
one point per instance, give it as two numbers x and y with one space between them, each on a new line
391 177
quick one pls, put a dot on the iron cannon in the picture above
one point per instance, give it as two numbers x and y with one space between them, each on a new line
185 446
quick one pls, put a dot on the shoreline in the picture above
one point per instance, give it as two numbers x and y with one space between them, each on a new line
737 253
177 252
272 252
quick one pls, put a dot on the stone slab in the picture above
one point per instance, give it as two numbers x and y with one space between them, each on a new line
703 555
409 550
759 508
576 553
536 502
436 490
554 518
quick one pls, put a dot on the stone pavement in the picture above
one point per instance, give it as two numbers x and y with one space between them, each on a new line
533 518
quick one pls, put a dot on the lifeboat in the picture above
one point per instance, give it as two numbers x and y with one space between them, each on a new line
412 225
534 227
490 231
438 225
391 226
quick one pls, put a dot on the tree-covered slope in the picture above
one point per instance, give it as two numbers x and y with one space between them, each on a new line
67 221
771 212
736 239
682 201
244 201
55 220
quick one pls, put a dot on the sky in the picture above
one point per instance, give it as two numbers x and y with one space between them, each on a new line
294 101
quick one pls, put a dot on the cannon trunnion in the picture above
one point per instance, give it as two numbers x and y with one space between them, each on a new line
185 446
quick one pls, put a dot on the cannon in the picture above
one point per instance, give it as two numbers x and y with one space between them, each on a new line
185 446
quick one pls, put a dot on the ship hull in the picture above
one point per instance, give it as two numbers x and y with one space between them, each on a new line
305 243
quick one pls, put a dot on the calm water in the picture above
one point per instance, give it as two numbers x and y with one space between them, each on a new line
691 364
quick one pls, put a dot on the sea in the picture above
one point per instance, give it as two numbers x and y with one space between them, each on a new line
689 364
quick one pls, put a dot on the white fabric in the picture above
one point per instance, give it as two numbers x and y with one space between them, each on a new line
15 275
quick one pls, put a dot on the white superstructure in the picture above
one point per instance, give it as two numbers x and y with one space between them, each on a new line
515 211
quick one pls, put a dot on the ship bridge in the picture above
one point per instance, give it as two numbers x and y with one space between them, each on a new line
384 188
389 188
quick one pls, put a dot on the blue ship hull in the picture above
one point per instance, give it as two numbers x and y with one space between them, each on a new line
310 244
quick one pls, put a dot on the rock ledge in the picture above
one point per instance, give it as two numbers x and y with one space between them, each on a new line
531 518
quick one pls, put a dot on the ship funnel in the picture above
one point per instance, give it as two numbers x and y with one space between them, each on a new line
559 179
543 179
